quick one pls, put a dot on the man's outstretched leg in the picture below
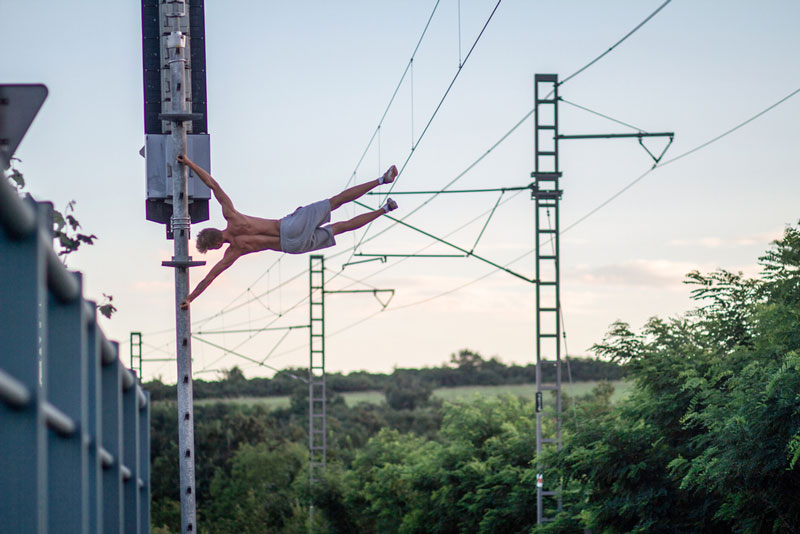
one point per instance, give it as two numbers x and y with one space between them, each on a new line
360 220
349 195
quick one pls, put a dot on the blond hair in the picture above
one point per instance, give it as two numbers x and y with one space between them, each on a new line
208 238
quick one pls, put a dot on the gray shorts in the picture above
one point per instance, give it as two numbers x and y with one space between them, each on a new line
301 231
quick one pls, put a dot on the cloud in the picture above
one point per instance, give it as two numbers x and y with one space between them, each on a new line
718 242
649 273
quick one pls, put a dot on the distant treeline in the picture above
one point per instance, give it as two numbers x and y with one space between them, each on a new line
466 368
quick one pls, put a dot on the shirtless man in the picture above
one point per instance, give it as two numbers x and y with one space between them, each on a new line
299 232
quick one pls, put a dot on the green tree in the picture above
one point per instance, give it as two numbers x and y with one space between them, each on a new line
260 495
66 231
477 478
407 392
708 439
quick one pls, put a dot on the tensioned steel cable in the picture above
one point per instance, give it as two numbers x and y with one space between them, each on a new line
681 156
449 184
610 199
459 228
254 282
579 71
527 115
592 212
252 335
524 118
435 112
601 56
409 214
259 363
432 243
355 170
391 100
612 119
571 76
358 164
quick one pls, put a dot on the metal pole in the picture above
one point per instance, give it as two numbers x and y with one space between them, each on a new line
317 417
546 194
176 45
136 353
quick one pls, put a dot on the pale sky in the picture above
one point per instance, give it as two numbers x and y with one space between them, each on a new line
295 91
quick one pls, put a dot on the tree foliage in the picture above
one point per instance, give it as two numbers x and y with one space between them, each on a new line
66 232
708 439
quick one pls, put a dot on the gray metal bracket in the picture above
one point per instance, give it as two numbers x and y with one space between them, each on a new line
182 264
180 117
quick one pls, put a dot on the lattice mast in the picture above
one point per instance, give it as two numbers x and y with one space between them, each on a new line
317 433
547 194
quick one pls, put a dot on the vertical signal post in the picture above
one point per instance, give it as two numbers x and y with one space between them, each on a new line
171 198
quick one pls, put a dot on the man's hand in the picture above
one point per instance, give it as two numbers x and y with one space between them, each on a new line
184 159
185 304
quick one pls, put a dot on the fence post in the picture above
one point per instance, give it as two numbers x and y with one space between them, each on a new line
111 390
74 436
66 378
130 447
94 422
144 463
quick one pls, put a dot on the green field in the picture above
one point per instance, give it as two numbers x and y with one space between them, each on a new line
463 393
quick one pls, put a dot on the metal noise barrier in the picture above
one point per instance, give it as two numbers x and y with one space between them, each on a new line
74 422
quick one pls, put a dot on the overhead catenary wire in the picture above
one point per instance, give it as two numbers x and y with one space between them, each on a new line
532 111
254 334
679 157
609 200
612 119
394 95
434 195
436 111
472 165
624 38
465 251
503 138
457 229
519 123
335 274
248 358
531 251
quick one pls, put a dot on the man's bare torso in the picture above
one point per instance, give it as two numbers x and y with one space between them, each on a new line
247 234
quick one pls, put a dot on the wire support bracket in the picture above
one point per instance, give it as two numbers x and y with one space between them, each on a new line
373 291
446 191
466 252
639 135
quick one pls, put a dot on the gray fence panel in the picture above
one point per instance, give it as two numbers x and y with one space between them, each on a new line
22 432
66 376
144 464
111 375
130 444
74 423
94 426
